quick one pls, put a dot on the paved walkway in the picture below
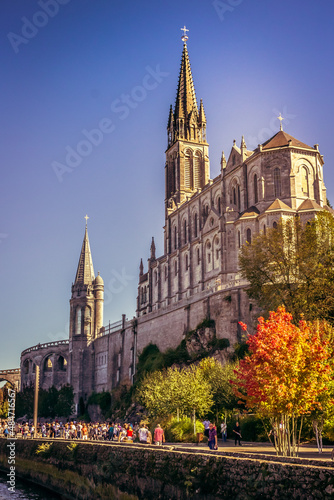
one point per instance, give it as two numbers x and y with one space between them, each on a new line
306 451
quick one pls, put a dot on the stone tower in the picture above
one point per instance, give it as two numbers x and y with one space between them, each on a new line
86 320
187 155
187 165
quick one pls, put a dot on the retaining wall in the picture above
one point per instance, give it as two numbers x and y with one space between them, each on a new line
88 470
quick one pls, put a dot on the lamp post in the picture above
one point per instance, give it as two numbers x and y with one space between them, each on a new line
36 399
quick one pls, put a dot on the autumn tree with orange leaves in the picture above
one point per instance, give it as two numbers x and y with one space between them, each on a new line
286 374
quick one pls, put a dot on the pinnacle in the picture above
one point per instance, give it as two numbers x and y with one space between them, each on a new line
85 272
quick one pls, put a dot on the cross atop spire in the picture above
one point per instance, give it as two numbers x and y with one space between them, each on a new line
280 118
184 37
86 217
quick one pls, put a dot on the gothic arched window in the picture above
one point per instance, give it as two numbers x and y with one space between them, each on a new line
305 189
187 264
255 189
175 238
26 367
188 170
249 236
62 363
219 206
198 170
48 364
185 231
195 225
277 182
79 321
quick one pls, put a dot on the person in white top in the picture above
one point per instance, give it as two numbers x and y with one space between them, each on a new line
143 433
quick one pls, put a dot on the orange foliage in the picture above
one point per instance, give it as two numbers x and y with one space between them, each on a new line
287 368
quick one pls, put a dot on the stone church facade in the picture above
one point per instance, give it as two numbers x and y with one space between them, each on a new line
206 223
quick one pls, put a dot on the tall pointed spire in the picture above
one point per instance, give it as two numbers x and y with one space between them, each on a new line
185 97
187 156
85 272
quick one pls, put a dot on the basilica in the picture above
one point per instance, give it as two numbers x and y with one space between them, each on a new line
206 223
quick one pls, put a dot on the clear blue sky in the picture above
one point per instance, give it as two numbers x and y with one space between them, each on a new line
250 60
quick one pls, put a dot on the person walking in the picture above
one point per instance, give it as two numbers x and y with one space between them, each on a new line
206 424
212 441
223 428
159 436
237 434
143 434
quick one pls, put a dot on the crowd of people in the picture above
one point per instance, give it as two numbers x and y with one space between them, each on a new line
104 431
86 431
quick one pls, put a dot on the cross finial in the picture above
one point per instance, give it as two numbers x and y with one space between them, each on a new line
280 118
184 37
86 219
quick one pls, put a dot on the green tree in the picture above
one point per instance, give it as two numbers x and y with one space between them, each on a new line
4 400
293 265
24 404
175 392
51 402
65 402
219 378
47 402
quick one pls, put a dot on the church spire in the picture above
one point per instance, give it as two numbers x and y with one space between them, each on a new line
187 122
187 156
185 98
85 272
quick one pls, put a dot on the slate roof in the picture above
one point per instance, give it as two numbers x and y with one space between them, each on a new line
85 272
279 205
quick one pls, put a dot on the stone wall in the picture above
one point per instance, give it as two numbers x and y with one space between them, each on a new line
161 473
116 353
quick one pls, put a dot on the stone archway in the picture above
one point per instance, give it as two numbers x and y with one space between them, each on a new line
12 376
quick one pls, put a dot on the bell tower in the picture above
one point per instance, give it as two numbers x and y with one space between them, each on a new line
86 320
187 154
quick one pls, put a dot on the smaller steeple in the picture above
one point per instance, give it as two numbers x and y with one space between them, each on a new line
85 272
170 126
243 149
202 117
223 161
152 249
202 122
170 118
141 268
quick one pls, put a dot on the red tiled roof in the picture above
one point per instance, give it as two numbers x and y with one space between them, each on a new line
282 139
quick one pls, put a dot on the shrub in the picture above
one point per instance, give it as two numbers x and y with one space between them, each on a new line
182 430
